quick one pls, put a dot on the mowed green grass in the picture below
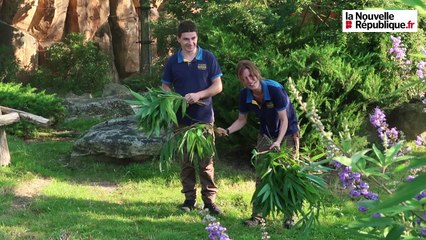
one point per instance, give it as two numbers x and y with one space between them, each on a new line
45 194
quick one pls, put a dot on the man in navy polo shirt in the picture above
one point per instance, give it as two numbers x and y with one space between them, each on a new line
278 120
194 73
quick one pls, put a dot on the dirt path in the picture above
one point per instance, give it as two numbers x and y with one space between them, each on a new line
26 191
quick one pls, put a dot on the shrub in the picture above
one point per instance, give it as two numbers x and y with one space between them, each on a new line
8 65
26 98
73 65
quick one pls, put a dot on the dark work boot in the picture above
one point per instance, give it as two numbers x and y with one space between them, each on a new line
254 221
188 205
213 209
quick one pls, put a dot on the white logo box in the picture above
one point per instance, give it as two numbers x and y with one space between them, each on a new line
379 20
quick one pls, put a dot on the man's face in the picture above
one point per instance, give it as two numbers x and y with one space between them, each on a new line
188 41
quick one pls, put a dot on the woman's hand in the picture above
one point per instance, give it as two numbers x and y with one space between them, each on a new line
221 132
275 146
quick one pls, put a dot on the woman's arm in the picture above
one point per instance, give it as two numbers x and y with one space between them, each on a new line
235 126
282 116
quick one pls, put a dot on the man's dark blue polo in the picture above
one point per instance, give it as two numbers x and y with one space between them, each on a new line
189 77
275 99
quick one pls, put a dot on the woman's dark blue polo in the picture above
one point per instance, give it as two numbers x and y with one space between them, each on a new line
275 99
188 77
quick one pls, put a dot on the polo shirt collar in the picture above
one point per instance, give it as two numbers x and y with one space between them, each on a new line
198 57
266 95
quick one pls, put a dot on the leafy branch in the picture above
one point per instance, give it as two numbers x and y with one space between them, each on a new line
157 112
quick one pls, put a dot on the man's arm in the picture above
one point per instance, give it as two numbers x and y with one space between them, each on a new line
165 87
211 91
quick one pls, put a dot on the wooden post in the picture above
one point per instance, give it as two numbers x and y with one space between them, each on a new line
4 149
13 116
145 37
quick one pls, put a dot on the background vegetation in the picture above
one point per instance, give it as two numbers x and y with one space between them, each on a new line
344 75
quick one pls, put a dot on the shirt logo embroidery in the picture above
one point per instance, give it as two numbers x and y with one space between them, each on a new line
202 66
269 105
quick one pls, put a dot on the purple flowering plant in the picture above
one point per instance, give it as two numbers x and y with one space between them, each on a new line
413 70
403 211
214 228
394 213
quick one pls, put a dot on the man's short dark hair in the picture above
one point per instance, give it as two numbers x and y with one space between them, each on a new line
186 26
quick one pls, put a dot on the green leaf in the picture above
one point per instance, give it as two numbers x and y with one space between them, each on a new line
406 191
371 222
379 155
396 232
266 193
418 4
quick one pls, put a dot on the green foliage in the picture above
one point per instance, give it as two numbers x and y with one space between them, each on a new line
8 65
197 141
345 75
289 186
400 211
28 99
157 110
74 65
143 82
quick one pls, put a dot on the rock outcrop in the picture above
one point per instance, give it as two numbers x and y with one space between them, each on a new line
118 139
112 24
112 104
409 118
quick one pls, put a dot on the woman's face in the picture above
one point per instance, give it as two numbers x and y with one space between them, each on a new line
249 80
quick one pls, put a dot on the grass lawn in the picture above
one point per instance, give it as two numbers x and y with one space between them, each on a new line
47 195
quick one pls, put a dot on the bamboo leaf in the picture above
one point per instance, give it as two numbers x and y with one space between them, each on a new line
372 222
396 232
405 192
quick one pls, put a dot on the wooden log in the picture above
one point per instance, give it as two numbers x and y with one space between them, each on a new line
9 118
4 148
27 116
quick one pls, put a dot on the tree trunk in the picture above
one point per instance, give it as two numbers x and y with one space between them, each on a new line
4 149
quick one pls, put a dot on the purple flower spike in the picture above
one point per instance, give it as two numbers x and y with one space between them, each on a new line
372 196
376 215
364 185
354 193
362 208
421 69
378 118
421 195
422 232
410 178
396 50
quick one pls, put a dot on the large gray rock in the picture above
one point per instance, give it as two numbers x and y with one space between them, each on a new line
409 118
23 44
118 138
109 107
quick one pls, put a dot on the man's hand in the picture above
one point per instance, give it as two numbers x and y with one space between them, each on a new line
192 98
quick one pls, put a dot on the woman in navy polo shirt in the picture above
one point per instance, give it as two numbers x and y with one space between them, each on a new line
278 120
